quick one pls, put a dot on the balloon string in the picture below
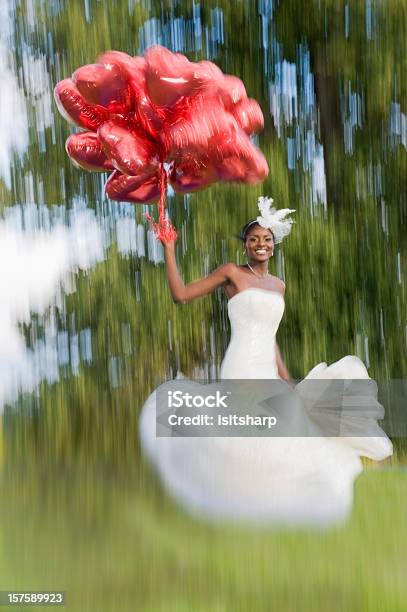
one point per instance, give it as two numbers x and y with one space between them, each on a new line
163 194
164 229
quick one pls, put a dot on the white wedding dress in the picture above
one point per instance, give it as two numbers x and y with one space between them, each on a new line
283 480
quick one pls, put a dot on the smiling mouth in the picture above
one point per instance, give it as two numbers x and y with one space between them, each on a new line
261 251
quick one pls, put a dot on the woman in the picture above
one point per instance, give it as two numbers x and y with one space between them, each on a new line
292 480
259 248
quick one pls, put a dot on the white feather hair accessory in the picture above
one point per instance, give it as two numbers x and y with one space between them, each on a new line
274 219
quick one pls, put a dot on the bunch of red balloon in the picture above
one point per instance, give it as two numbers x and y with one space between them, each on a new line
160 118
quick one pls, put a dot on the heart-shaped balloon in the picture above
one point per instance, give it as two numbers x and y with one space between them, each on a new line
141 189
170 76
149 113
75 109
192 175
238 160
130 153
196 128
249 116
104 85
85 151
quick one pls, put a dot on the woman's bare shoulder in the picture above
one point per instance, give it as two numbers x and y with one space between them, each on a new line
231 269
280 284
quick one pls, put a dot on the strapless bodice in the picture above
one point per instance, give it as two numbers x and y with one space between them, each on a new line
254 315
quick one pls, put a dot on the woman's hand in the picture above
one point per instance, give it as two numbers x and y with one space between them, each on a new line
168 242
291 382
163 230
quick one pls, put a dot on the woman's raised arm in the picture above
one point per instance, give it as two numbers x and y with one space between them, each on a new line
181 293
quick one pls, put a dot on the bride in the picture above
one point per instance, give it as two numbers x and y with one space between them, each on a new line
284 480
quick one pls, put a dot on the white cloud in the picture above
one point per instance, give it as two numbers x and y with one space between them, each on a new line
35 265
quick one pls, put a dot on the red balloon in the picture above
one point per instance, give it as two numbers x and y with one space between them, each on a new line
105 85
74 108
86 152
240 160
193 133
211 76
169 76
132 67
138 189
156 109
232 169
130 153
192 175
249 116
232 91
236 169
148 116
227 88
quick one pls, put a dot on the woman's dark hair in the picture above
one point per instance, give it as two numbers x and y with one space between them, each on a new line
244 231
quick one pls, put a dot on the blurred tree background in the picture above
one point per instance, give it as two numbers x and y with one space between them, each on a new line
330 78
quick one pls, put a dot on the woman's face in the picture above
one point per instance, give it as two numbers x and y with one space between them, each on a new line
259 243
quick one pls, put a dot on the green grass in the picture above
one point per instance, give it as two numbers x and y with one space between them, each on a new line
119 544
